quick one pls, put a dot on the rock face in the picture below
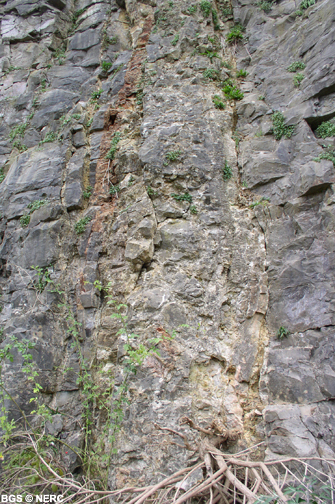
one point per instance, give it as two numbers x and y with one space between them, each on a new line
198 216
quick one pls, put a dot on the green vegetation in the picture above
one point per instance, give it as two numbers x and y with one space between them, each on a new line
105 401
96 95
114 190
18 131
43 278
265 5
106 65
106 41
192 10
297 65
261 97
87 193
139 97
24 220
326 129
182 197
282 333
151 192
215 18
297 79
206 7
113 148
235 34
36 204
64 120
19 146
112 75
33 205
80 226
263 201
76 117
11 68
49 137
236 137
279 128
226 171
306 3
328 154
210 55
60 55
193 210
227 65
241 73
232 92
76 16
173 155
214 41
227 12
175 40
218 103
212 74
2 175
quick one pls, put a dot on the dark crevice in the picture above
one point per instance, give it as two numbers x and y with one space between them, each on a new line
324 92
315 121
317 189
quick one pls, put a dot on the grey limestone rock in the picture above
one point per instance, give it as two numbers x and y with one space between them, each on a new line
202 222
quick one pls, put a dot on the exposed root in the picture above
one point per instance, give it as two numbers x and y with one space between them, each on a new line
216 478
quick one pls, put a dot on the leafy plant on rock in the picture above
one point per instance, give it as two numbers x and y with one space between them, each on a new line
113 148
49 137
326 129
80 226
263 201
235 34
305 4
173 155
106 65
32 206
95 95
297 65
282 333
19 146
297 79
206 7
175 40
18 131
151 192
226 171
265 5
114 190
182 197
87 193
241 73
218 102
212 74
24 220
328 154
2 175
280 129
232 92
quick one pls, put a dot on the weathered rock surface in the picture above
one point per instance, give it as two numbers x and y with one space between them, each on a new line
171 234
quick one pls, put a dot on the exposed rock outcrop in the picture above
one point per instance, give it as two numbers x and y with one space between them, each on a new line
121 170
